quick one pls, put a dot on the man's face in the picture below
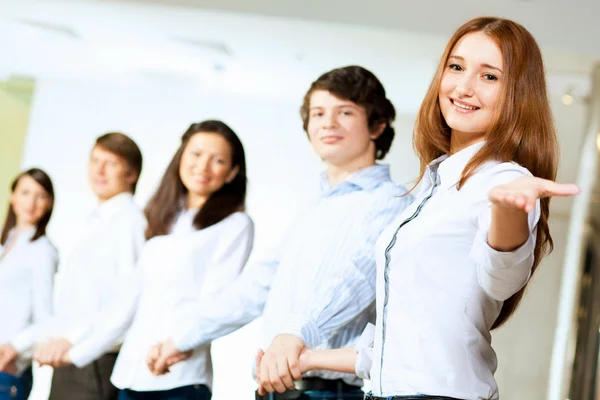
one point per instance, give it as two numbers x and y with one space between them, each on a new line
338 130
109 174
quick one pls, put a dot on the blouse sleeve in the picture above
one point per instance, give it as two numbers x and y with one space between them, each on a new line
502 274
227 299
44 261
92 339
43 272
229 257
364 349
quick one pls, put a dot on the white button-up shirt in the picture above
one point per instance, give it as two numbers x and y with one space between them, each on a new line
178 272
103 258
26 281
440 286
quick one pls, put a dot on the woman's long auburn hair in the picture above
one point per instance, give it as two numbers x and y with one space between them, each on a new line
522 129
164 206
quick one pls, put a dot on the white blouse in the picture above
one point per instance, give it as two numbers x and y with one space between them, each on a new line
440 286
26 283
179 272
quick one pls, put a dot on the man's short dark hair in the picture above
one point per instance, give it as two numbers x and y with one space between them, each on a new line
360 86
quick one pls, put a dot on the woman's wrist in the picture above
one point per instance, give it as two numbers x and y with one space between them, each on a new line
307 360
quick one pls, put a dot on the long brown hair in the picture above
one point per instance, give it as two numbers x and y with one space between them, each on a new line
11 218
165 204
522 129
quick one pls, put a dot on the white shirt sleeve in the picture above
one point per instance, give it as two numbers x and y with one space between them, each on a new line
45 262
228 259
364 348
110 324
26 339
229 301
502 274
97 335
43 282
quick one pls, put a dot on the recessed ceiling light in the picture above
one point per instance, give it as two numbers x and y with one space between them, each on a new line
567 99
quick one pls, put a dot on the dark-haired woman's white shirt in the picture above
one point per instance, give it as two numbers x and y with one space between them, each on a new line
26 284
440 286
178 271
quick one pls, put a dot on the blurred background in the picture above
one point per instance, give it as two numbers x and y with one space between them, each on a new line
72 70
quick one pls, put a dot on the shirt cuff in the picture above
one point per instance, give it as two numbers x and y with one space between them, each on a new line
502 273
24 341
79 358
305 329
364 349
76 333
187 341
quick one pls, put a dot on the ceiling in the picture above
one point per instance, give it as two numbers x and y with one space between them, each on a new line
567 25
99 38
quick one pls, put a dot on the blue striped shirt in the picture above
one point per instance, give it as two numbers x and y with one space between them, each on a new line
324 290
320 283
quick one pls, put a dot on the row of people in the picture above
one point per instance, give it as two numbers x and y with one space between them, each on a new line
438 271
193 237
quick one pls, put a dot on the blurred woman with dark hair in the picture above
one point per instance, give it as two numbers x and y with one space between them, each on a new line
27 266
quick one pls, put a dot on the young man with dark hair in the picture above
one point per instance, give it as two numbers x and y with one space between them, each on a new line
318 291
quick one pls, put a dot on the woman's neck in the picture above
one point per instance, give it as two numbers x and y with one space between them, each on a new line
460 141
195 202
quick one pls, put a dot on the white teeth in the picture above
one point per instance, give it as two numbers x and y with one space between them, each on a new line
463 106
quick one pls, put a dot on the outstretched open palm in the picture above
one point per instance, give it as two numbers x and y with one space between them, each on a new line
522 193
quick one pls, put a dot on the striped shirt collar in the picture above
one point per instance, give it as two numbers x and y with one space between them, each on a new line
367 178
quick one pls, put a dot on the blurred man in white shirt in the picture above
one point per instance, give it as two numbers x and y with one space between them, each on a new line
99 265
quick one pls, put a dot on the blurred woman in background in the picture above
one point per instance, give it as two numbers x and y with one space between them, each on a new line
27 265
